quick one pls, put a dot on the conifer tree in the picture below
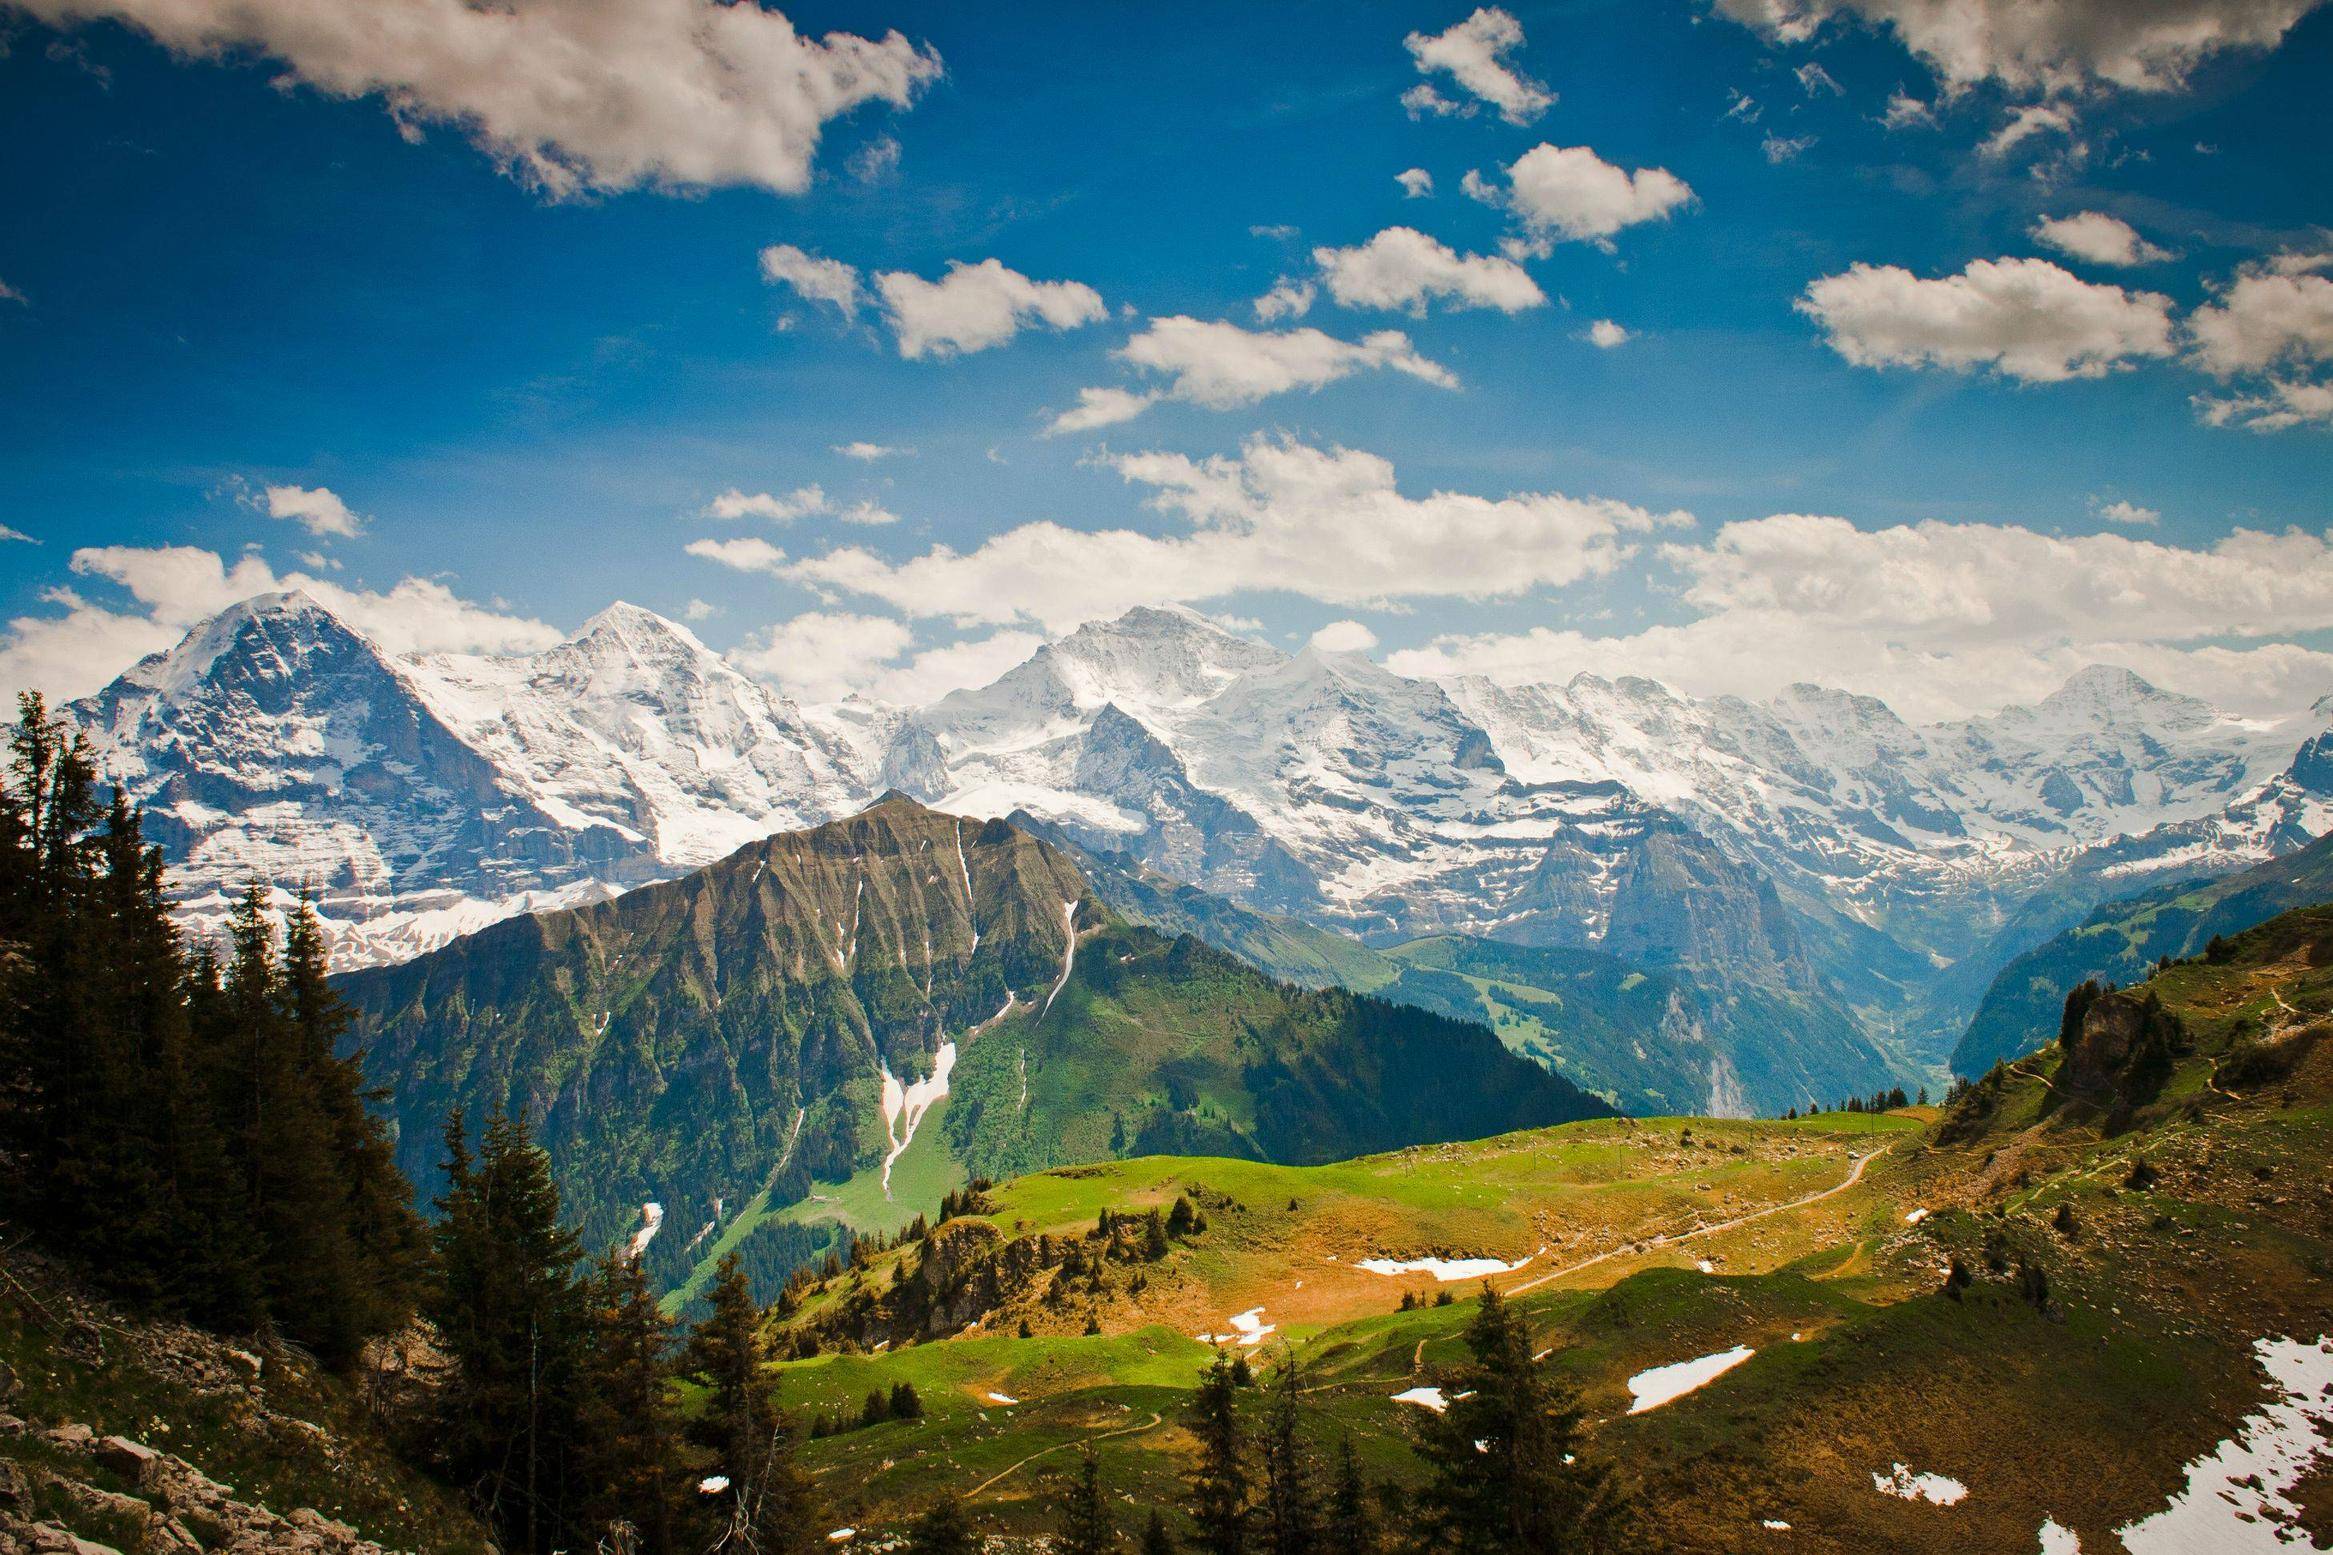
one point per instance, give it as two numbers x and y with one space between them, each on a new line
1219 1494
1155 1538
629 1454
1508 1460
768 1503
1350 1528
1288 1513
1085 1527
943 1529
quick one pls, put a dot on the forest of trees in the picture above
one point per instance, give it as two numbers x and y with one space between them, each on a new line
182 1123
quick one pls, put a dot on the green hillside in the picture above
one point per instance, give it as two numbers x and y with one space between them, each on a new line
2127 1229
718 1045
2120 941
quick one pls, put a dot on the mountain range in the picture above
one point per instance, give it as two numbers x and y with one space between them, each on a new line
1813 861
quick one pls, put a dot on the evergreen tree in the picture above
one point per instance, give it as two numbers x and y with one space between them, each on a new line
509 1312
1349 1528
943 1529
768 1503
1219 1484
1085 1527
629 1455
1288 1515
1155 1538
1509 1467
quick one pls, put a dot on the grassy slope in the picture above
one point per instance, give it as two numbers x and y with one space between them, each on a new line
2084 1414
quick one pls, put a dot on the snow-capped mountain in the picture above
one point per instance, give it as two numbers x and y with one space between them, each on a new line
420 798
1815 841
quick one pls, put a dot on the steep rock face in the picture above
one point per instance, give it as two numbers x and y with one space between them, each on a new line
787 1013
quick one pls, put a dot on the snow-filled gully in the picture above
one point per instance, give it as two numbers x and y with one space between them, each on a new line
970 916
1068 955
904 1106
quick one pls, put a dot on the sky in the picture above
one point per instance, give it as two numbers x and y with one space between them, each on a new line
1929 348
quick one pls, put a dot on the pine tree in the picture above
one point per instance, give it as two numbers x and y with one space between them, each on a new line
769 1503
943 1529
1219 1484
509 1312
1350 1527
1288 1513
629 1450
1508 1459
1085 1527
1155 1538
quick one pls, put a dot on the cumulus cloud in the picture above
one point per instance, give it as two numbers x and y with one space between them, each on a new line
699 610
801 502
2024 318
1101 407
824 656
1473 54
2270 315
2062 46
974 307
1904 111
750 554
2279 406
868 453
876 162
1416 183
828 281
1942 619
2099 238
1570 194
316 509
173 587
1288 299
574 97
1327 524
1604 335
1403 268
1344 637
2126 513
1222 366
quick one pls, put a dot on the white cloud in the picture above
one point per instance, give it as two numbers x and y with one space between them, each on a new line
2126 513
9 293
699 610
868 512
974 307
1784 148
574 97
2099 238
316 509
1942 620
2024 318
1416 183
1327 524
11 535
1741 105
750 554
802 502
2060 46
1604 335
824 656
1422 100
1288 299
1904 111
819 280
868 453
1815 81
2269 315
1100 407
173 587
1221 366
2023 124
1473 54
1344 637
876 162
1568 193
1403 268
2279 406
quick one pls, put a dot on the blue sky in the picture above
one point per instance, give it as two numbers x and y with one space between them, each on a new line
527 349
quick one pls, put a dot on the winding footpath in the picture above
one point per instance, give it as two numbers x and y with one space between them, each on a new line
1854 1176
1156 1419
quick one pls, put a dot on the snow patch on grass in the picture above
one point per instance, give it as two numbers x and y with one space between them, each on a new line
1424 1398
1941 1489
2235 1502
1651 1389
1248 1329
1444 1269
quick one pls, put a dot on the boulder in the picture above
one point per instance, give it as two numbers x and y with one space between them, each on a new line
133 1461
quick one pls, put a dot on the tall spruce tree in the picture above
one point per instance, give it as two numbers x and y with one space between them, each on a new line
1350 1526
630 1452
1085 1527
768 1503
1219 1497
1155 1538
1510 1472
1288 1512
943 1529
509 1312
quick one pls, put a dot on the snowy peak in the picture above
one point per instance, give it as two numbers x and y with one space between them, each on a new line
2105 697
1153 658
